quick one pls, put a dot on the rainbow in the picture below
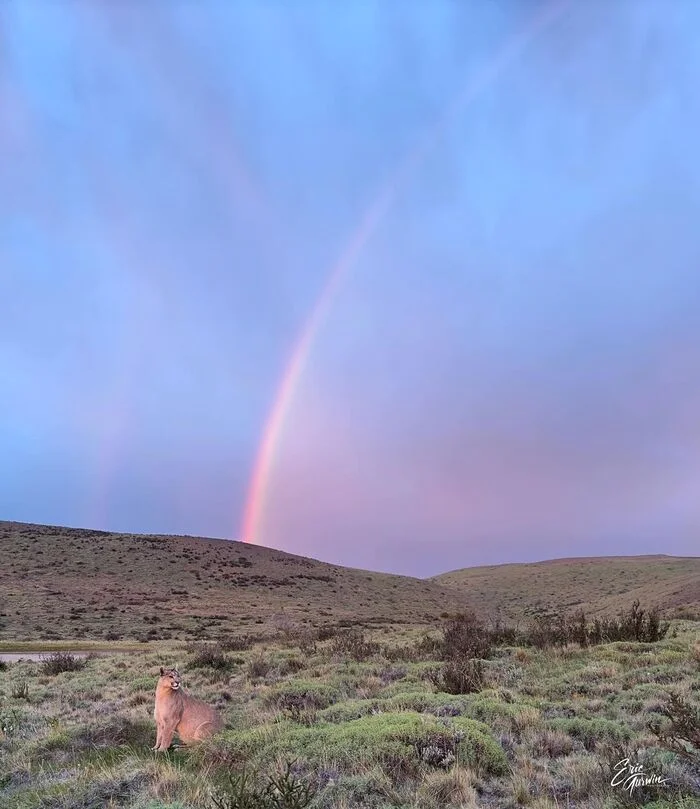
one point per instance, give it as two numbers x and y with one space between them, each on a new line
259 485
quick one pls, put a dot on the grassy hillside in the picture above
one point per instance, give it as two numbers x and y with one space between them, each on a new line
603 584
71 583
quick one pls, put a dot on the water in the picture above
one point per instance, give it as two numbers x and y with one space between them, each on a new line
13 657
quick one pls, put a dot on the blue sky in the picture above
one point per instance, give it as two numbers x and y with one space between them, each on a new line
509 369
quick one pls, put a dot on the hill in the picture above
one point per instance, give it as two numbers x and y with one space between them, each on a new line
71 583
58 583
597 584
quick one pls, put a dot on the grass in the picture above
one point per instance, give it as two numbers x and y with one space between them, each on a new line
369 733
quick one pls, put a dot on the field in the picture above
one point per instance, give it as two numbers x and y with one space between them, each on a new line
402 702
363 720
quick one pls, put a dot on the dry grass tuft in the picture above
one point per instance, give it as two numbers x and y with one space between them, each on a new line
453 787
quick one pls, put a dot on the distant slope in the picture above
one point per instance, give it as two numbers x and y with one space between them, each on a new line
76 583
66 582
597 584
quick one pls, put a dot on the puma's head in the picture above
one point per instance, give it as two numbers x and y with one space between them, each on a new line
169 678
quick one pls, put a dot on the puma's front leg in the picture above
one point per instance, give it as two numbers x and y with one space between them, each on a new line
166 737
159 734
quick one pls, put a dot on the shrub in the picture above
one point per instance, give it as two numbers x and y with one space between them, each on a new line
388 739
681 732
60 662
635 624
300 699
591 732
465 636
459 676
352 642
210 655
501 634
284 791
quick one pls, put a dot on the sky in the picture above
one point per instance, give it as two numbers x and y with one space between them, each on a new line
403 286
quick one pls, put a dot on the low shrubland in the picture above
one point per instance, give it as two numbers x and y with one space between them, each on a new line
466 714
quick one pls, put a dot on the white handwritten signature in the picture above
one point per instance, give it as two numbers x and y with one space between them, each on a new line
629 776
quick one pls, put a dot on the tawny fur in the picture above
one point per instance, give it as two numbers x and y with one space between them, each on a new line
178 712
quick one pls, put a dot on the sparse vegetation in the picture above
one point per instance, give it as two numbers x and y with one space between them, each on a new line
633 624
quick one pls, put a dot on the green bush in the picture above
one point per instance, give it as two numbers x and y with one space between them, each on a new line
387 739
591 732
305 693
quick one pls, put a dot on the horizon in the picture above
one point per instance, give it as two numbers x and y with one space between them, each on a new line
399 290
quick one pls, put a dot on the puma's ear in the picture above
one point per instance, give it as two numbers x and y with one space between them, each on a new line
162 671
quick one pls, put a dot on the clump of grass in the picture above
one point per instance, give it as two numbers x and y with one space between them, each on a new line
59 662
454 787
525 719
695 653
20 690
552 743
521 791
258 667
